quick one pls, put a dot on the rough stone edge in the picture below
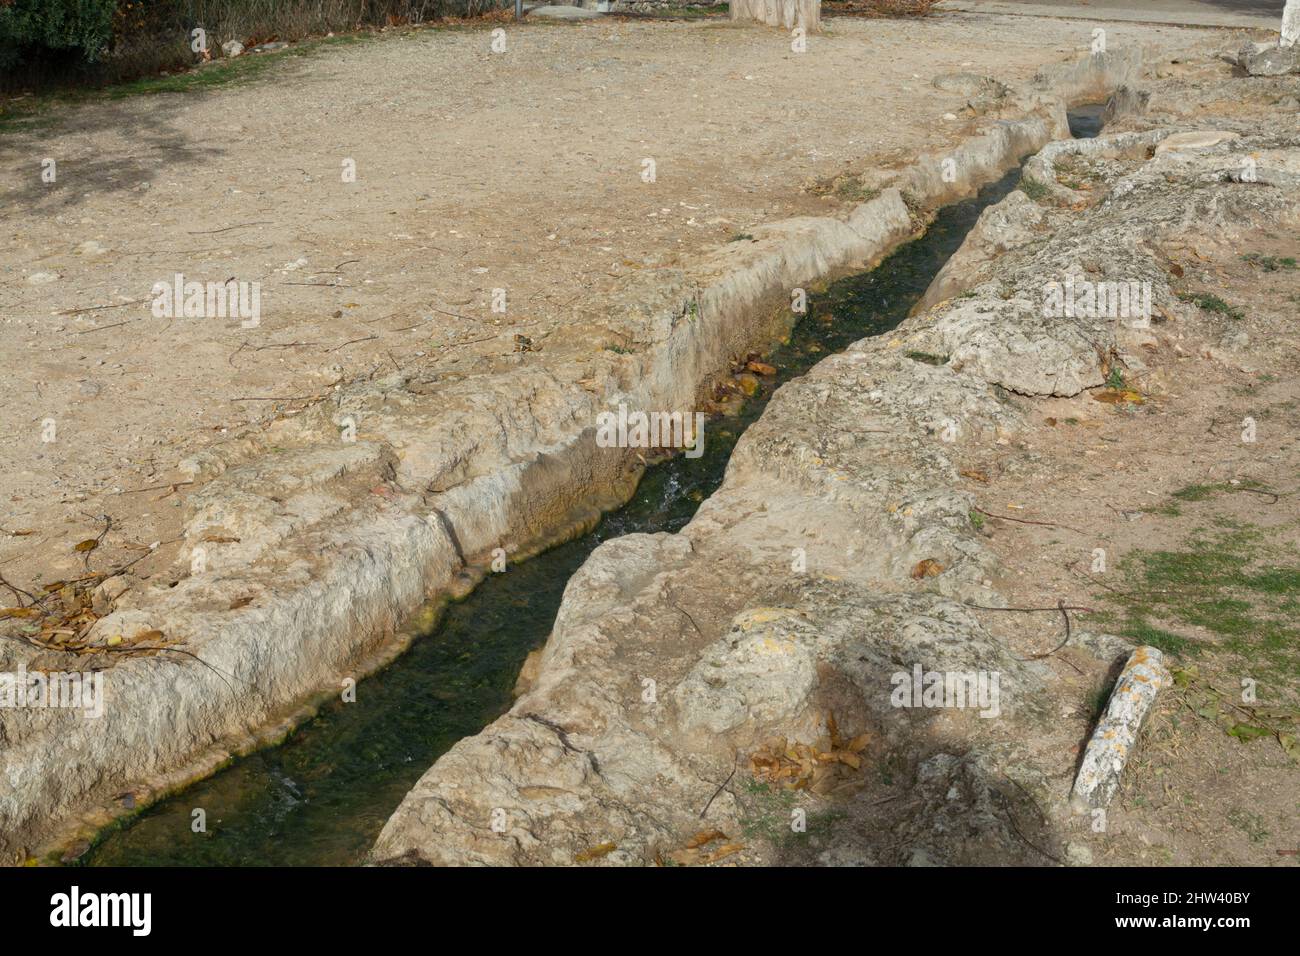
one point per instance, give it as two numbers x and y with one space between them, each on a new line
429 558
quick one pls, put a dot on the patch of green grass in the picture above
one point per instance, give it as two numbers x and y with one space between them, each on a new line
1204 492
1137 630
929 358
38 112
1251 824
1212 303
1232 582
741 237
852 189
767 813
1270 263
1033 189
1115 378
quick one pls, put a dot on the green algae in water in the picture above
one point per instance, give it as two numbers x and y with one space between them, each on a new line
321 797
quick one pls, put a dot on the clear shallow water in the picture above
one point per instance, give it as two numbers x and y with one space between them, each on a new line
321 797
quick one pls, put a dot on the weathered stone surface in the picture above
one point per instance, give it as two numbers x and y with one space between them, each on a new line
969 84
786 14
336 541
1116 735
1196 139
1271 60
791 593
559 12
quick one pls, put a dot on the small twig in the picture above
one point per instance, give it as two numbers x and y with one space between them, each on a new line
456 315
1046 524
352 342
171 484
277 398
722 786
1029 610
456 345
242 225
1260 491
98 308
108 524
1060 606
1011 819
18 592
101 328
674 605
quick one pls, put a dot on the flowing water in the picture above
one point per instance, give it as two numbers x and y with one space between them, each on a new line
321 797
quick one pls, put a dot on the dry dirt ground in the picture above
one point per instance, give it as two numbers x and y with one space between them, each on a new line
1196 524
475 171
1178 527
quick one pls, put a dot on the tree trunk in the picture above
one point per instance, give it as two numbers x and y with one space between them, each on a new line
1291 23
788 14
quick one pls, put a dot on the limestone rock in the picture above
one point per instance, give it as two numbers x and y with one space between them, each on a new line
1198 139
1271 60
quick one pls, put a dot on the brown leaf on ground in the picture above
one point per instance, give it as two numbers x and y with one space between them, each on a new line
928 568
703 837
595 853
1118 396
723 851
8 612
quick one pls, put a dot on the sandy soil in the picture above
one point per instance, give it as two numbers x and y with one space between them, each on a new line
475 171
1172 476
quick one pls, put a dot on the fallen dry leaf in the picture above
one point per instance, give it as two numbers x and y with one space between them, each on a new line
1118 396
723 851
8 612
928 568
703 837
595 852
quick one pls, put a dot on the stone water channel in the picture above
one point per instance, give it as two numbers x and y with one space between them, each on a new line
321 797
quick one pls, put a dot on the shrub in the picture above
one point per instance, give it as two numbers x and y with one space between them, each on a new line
102 41
80 27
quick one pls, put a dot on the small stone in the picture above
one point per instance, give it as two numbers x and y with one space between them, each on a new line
1078 855
1271 60
40 278
232 48
1199 139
